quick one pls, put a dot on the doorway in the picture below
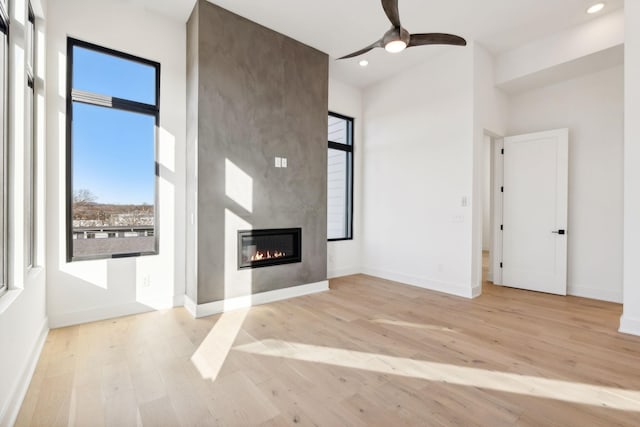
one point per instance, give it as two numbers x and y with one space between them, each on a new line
491 212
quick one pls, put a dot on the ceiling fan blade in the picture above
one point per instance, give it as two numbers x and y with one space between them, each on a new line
391 9
365 50
436 38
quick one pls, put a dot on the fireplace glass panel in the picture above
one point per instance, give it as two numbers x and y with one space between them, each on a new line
262 248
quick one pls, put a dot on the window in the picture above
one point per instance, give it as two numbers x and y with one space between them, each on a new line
112 119
30 144
4 67
340 178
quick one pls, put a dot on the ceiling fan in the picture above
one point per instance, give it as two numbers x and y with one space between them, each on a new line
397 38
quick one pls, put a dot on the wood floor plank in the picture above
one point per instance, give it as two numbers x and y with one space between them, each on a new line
121 409
54 401
254 408
158 413
148 385
88 406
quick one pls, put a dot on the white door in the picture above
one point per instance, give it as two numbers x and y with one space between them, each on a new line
534 252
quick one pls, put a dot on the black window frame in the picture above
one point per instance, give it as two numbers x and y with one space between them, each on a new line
349 149
4 155
107 101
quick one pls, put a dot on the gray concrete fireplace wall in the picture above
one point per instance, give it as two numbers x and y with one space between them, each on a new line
252 95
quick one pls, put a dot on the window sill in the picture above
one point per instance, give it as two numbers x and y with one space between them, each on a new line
8 298
33 272
112 256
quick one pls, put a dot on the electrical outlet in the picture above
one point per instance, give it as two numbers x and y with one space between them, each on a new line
146 281
278 162
284 162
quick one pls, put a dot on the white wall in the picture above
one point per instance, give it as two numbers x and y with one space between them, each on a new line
418 166
592 108
89 290
490 103
486 195
630 321
23 321
343 257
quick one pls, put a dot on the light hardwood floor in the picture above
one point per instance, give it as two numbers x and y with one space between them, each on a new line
367 353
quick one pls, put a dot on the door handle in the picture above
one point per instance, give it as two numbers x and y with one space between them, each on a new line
559 232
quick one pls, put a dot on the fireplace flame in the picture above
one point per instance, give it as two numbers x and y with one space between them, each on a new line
260 255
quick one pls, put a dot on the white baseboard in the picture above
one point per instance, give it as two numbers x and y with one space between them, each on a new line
9 413
146 305
456 289
93 315
341 272
216 307
629 325
190 306
476 291
594 293
178 300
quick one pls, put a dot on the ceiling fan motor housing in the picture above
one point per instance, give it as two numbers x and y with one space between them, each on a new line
394 34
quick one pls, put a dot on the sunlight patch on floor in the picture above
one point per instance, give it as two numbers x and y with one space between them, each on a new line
414 325
568 391
213 350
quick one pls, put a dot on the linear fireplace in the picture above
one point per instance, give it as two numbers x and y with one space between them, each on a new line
264 248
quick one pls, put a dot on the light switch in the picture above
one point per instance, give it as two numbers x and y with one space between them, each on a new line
284 162
278 162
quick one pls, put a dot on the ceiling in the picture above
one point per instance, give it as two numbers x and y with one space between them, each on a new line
341 27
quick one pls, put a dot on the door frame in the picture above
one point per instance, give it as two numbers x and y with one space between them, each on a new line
477 222
497 214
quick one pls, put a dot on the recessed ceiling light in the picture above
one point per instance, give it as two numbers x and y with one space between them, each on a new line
595 8
364 63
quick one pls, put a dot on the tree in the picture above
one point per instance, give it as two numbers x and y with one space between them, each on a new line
83 197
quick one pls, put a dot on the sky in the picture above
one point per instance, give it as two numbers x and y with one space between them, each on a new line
113 150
